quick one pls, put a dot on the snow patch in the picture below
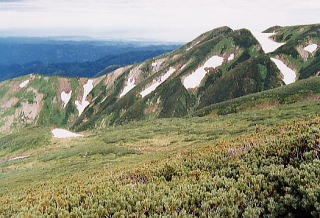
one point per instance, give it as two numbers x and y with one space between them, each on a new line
184 66
231 57
191 47
289 76
188 49
62 134
194 79
24 84
156 65
84 103
267 44
130 85
311 48
158 82
19 157
65 97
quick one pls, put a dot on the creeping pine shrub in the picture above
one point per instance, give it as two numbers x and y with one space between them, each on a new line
276 177
167 172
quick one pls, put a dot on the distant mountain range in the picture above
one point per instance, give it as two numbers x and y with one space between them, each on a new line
82 58
21 50
79 69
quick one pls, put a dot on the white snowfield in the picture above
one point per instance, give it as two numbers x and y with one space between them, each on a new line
62 134
184 66
130 85
311 48
158 82
194 79
191 47
65 97
156 65
231 57
289 75
18 158
84 103
188 49
268 45
24 84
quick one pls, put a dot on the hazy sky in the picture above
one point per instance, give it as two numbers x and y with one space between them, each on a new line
169 20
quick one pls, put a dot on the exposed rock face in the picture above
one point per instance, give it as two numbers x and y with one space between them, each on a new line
307 51
303 53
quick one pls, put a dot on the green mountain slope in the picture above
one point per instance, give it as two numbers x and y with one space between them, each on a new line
304 90
297 38
173 98
253 75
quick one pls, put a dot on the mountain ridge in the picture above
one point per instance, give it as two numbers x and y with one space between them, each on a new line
151 89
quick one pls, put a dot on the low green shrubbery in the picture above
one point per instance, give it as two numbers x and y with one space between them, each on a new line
273 175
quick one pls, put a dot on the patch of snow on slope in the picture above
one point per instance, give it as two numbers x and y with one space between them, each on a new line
289 76
65 97
184 66
191 47
84 103
62 134
24 84
311 48
130 85
156 65
158 82
17 158
188 49
267 44
231 57
194 79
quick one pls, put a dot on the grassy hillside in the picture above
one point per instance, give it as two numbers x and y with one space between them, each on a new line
293 53
257 163
251 76
304 90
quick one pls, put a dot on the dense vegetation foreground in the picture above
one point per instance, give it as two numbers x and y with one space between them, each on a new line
250 164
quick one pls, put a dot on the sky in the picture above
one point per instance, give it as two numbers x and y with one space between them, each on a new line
163 20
